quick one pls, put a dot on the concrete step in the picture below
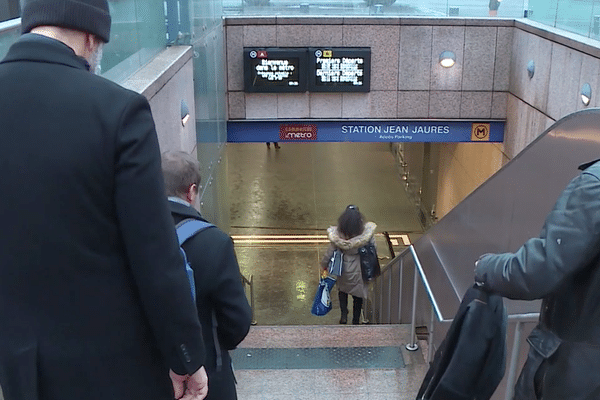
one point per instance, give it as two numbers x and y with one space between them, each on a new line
328 362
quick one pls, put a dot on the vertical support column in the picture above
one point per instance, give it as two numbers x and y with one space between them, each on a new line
431 330
514 359
185 26
172 21
412 346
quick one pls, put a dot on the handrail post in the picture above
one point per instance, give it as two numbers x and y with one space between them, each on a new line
413 346
252 299
390 298
514 358
431 330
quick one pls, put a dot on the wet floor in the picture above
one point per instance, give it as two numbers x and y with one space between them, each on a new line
283 200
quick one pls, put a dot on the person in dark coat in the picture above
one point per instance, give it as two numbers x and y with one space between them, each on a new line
562 267
94 297
471 360
223 308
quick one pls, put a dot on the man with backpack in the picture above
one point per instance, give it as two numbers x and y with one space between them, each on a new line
223 309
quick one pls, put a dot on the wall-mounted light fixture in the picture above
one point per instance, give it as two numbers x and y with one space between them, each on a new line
530 69
586 94
447 59
185 113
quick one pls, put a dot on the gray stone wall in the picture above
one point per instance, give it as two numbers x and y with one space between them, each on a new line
407 80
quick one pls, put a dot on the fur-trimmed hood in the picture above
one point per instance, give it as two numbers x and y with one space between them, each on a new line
356 241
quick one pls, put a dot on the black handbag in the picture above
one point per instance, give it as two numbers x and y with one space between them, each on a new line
369 263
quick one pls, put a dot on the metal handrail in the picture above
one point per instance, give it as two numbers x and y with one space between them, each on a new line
9 25
519 318
250 282
389 243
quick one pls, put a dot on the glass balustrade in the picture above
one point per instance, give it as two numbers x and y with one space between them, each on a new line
140 27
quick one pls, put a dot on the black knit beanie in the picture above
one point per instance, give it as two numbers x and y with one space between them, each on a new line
90 16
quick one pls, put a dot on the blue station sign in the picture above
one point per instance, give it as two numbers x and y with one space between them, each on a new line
365 131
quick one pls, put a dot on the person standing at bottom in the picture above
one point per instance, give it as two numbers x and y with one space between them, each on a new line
223 309
349 235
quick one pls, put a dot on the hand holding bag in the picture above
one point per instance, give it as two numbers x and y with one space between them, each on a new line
369 263
322 302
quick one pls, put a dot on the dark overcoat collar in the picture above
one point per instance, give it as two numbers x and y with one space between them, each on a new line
34 47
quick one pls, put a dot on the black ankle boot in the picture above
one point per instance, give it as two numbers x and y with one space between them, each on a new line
343 297
356 309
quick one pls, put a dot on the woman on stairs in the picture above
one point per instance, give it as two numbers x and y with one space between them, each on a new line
349 235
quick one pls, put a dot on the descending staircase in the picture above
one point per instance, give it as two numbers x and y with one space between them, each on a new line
328 362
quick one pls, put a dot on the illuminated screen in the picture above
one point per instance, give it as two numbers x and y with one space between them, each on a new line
274 70
345 69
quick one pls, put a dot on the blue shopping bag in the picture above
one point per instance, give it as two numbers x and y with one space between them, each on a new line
322 302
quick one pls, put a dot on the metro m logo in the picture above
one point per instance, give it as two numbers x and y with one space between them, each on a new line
480 132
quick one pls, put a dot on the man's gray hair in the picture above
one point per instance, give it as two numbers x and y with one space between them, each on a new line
180 171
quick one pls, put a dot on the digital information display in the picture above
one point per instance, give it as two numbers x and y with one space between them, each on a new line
275 70
345 69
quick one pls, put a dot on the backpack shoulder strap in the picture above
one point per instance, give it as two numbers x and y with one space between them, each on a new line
189 227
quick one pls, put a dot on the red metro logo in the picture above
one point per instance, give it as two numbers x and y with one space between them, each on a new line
298 132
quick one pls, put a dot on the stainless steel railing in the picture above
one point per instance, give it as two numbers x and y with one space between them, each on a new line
435 312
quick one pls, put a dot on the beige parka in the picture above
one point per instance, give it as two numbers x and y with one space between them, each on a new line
351 281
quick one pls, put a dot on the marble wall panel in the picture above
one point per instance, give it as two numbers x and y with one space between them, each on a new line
384 104
260 35
293 35
413 104
166 110
414 63
524 124
504 54
479 58
590 72
292 105
476 105
444 104
565 72
356 105
447 38
236 107
326 35
325 105
261 105
536 90
383 41
235 57
499 103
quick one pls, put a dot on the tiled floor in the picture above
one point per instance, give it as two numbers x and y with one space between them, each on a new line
301 189
331 384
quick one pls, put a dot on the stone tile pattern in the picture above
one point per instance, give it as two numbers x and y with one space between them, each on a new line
346 384
407 80
489 79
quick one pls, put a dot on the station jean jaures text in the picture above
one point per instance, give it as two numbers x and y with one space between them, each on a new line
397 131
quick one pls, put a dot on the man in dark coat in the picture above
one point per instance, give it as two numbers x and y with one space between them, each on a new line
223 309
562 267
94 302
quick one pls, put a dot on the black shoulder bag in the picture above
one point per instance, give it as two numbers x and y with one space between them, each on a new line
369 263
